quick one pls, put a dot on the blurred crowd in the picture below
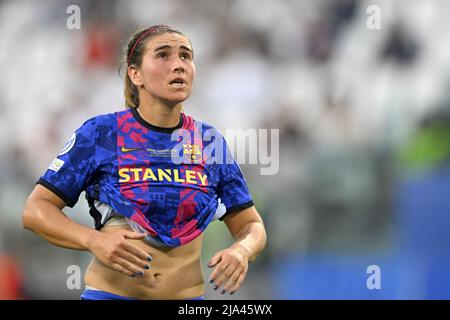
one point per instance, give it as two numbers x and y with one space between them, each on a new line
360 113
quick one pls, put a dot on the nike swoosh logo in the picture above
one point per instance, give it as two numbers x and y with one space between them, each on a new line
125 149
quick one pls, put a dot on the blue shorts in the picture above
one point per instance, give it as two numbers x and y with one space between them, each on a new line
102 295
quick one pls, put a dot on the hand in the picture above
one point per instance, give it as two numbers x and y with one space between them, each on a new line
116 252
231 268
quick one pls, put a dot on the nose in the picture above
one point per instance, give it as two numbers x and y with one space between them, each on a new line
179 69
178 66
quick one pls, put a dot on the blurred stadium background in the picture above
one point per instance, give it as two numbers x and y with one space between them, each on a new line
364 119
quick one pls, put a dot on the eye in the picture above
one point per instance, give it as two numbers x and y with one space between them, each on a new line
185 56
162 55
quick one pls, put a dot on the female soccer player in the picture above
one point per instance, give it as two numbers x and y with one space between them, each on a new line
154 179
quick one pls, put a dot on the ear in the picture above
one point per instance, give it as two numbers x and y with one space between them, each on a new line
135 76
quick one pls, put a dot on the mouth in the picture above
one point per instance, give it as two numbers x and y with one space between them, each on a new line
178 83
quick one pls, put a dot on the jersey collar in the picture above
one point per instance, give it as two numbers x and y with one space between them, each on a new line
152 127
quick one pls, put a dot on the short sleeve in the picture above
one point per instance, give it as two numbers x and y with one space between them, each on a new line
68 174
232 187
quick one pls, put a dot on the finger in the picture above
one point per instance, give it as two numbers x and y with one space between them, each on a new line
215 259
231 283
220 268
134 235
224 276
121 269
138 252
238 283
134 259
129 266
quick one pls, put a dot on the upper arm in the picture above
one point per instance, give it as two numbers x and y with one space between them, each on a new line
232 188
237 220
40 193
69 173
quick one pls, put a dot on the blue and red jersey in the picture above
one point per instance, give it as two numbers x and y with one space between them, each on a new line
168 182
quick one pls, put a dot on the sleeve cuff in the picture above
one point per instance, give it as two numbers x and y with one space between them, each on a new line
238 207
69 202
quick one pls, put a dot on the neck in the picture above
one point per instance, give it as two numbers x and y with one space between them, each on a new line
159 113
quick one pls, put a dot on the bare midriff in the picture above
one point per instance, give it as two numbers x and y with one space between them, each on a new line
175 272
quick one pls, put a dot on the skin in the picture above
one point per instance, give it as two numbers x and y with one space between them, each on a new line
121 263
160 102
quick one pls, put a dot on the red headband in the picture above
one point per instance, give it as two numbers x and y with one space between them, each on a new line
151 30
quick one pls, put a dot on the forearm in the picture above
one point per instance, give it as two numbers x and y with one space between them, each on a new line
48 221
251 239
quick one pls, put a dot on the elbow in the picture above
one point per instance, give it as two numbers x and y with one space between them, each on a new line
260 230
263 237
260 240
26 223
37 208
28 216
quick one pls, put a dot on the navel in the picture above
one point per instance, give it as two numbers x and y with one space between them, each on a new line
157 276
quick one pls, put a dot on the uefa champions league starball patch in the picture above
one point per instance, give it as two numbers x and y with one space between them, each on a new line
69 145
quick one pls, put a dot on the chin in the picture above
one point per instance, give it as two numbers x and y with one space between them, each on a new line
174 100
177 98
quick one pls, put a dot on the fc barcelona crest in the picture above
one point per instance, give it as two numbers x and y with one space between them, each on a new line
192 151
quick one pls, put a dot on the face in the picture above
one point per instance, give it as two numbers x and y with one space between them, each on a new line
167 71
